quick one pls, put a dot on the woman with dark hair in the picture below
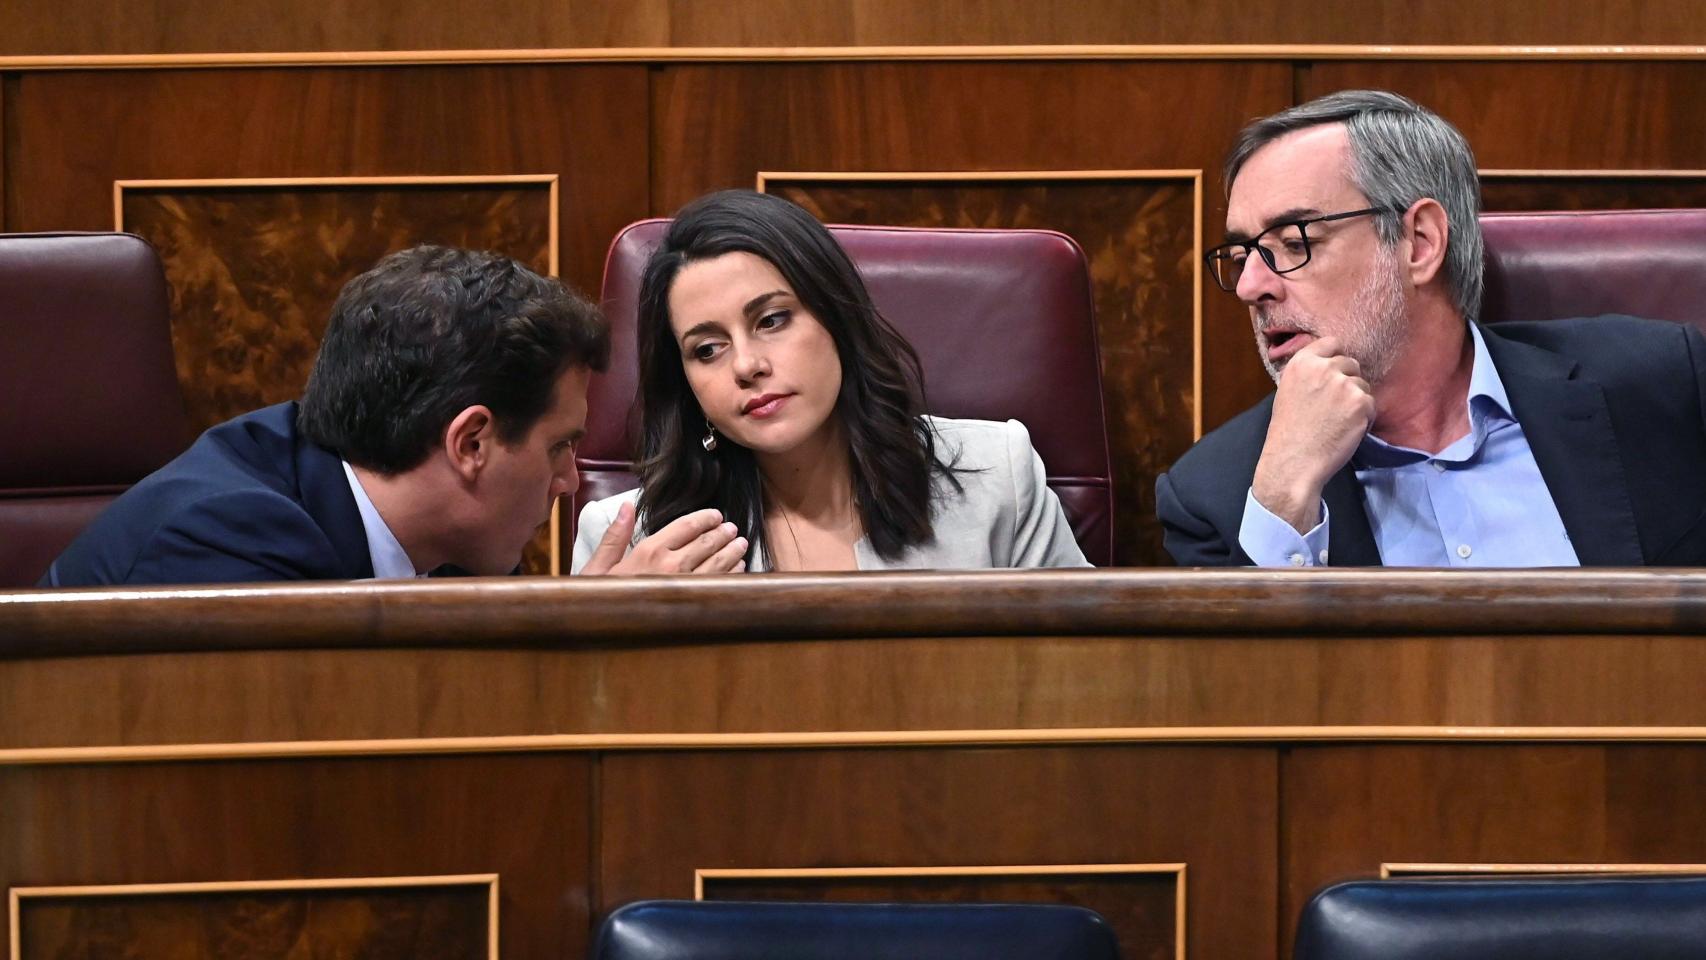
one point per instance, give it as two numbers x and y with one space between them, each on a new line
772 390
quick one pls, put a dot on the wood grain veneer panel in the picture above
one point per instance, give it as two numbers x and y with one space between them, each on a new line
108 26
431 923
520 817
664 815
1225 21
1141 907
586 124
1549 115
717 126
254 270
1140 236
207 26
873 652
8 84
1351 808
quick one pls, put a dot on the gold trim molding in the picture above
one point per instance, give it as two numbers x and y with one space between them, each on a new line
1391 870
1026 870
17 895
671 55
851 739
1551 173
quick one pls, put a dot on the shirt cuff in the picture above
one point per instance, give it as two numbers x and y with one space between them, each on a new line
1271 542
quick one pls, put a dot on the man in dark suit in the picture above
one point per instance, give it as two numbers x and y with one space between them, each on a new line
437 429
1401 431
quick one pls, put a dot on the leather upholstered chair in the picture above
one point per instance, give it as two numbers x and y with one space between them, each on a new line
1645 263
1003 324
722 930
92 403
1577 918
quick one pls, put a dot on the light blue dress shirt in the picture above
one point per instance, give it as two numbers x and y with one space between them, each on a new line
1480 502
390 560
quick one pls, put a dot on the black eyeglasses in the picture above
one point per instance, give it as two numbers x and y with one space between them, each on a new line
1285 247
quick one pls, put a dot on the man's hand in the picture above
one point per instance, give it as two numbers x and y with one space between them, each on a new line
697 543
1322 410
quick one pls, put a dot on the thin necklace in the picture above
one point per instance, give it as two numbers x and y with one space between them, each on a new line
799 555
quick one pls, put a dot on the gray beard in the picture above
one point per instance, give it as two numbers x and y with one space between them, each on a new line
1379 324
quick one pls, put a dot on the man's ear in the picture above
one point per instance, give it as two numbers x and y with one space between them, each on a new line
468 441
1427 228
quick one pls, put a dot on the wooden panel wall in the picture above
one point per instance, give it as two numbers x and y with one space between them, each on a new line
263 821
634 140
663 815
370 920
72 134
1258 826
175 26
593 742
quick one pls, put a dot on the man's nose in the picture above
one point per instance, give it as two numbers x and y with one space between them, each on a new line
1258 281
566 482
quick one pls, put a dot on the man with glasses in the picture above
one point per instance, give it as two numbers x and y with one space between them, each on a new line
1402 433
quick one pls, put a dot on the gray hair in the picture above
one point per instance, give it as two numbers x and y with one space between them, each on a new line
1401 152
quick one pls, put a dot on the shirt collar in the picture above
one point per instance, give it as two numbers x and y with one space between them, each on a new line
1484 381
1488 405
390 560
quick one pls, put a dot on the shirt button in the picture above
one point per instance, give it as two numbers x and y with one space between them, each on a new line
1438 467
1323 556
1464 551
1298 560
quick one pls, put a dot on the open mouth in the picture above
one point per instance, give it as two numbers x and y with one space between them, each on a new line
1282 343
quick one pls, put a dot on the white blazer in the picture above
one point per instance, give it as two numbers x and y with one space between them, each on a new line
1004 515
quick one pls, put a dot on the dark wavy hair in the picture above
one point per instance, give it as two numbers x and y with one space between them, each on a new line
431 331
881 404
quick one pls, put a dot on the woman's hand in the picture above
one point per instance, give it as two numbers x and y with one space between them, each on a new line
699 542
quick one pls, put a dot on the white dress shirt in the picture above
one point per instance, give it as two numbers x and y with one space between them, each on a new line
390 560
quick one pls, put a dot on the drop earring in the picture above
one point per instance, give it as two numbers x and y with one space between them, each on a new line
710 440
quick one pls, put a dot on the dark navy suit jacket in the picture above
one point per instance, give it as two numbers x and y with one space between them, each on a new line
251 500
1614 409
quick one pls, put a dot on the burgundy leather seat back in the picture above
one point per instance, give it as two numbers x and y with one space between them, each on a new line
1002 321
1645 263
91 397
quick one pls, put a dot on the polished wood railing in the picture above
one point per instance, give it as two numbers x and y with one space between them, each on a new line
1098 736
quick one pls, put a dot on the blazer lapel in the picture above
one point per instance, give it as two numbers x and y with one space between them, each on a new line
1350 540
1568 427
327 498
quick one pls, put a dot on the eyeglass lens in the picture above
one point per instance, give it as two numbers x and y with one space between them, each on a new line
1285 247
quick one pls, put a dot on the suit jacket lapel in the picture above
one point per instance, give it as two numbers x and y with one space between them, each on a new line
327 498
1350 540
1568 427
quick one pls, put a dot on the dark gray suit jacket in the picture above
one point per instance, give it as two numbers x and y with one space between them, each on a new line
1614 409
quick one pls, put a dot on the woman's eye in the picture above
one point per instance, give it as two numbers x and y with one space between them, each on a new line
772 320
704 351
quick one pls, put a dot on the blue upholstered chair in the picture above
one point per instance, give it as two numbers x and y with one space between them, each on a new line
725 930
1576 918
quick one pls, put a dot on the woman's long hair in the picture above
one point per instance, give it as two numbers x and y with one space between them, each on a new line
893 451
